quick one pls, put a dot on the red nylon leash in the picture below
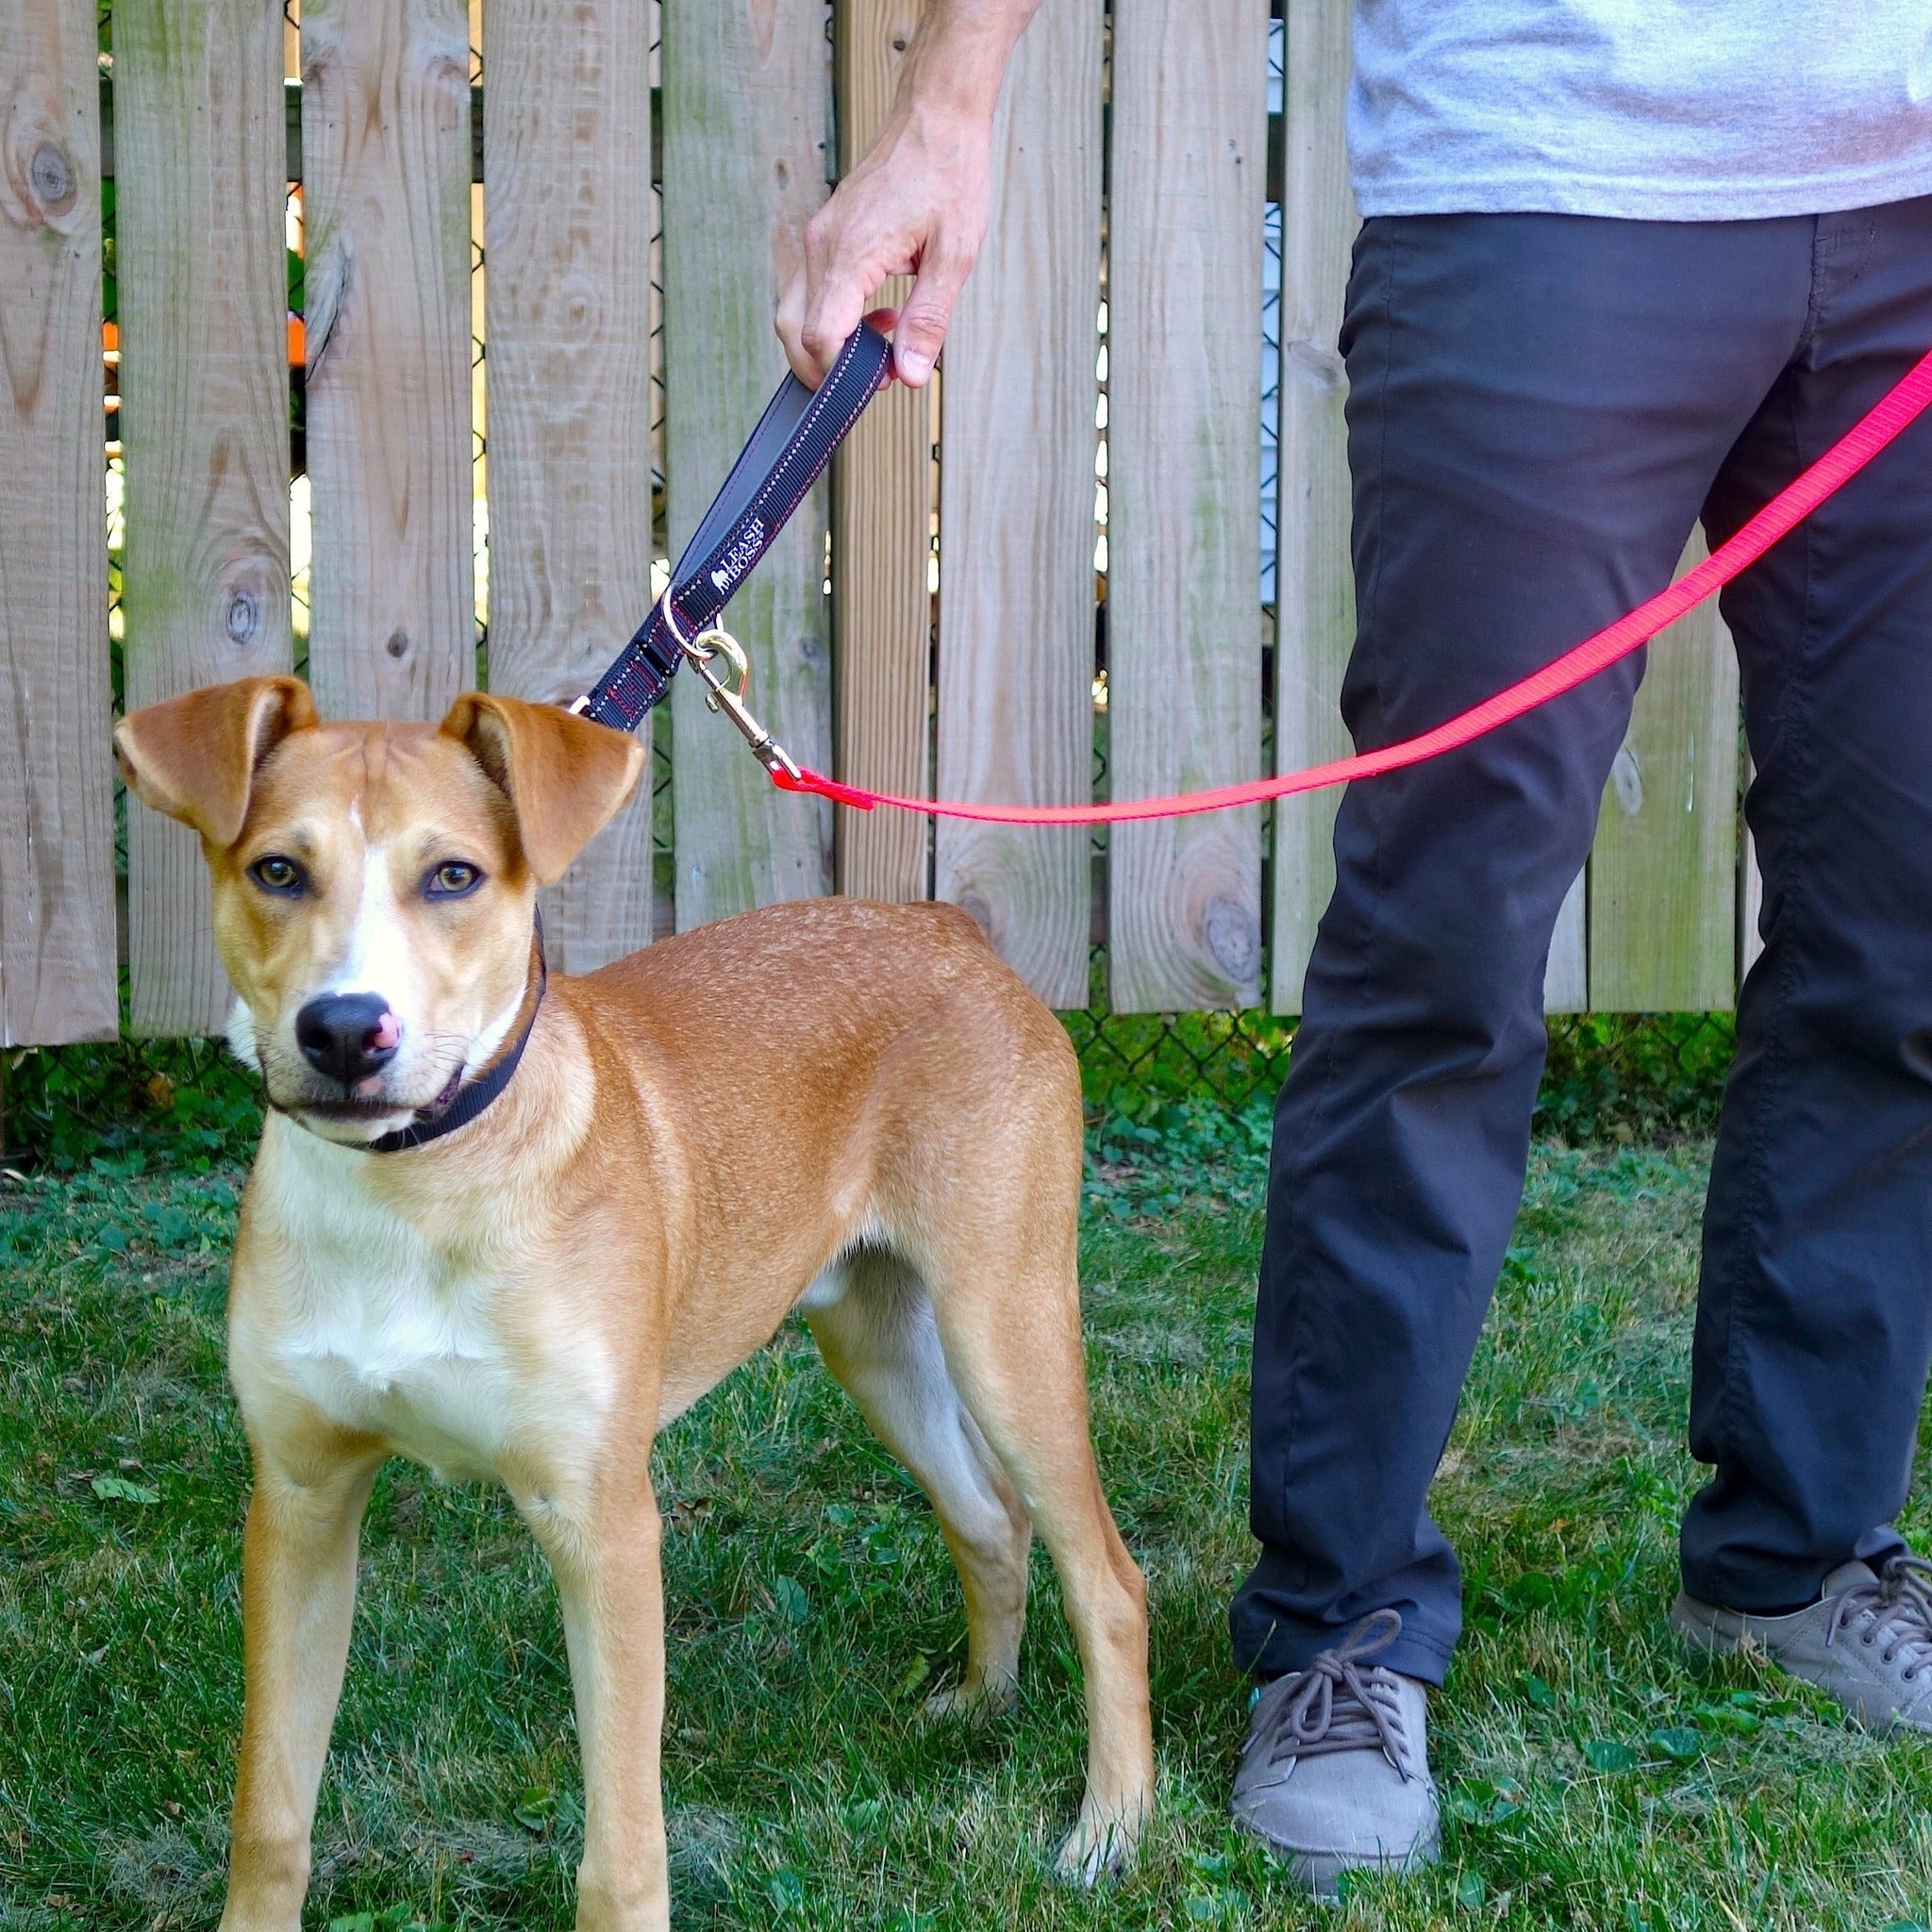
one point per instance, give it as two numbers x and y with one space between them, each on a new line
1899 406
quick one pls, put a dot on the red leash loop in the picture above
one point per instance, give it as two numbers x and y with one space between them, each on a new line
1899 406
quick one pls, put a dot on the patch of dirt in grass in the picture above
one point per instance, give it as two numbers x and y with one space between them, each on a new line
172 1866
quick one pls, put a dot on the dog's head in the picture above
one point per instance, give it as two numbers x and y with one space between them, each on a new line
375 884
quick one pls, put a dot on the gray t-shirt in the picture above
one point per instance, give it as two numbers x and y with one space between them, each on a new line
1651 109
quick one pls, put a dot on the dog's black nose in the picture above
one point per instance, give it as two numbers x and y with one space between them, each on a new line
348 1036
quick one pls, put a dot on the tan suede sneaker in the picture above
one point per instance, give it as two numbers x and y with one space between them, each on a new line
1867 1641
1335 1774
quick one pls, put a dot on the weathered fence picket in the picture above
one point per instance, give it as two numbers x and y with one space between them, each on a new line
1566 979
881 515
1170 267
567 287
1016 512
200 133
386 145
746 96
1184 377
1750 897
1662 910
1314 610
57 818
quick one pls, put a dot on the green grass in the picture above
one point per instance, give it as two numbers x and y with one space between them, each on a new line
1593 1778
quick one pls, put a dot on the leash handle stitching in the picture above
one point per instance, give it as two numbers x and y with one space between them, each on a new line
786 454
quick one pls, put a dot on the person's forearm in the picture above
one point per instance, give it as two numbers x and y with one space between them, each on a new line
959 52
917 202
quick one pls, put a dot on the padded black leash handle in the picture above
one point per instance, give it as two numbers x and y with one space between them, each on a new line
786 455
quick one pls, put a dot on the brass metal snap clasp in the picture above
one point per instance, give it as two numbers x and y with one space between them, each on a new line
726 695
717 643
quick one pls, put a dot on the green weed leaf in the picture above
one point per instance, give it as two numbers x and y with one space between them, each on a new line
1679 1742
534 1809
1533 1590
1481 1803
1225 1907
862 1814
117 1489
1604 1755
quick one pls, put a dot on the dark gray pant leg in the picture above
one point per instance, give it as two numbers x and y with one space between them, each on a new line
1815 1311
1537 407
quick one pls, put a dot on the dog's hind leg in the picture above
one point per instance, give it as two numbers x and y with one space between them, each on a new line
874 1325
1010 1323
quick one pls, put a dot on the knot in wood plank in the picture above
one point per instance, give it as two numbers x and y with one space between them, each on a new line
1233 936
51 175
242 618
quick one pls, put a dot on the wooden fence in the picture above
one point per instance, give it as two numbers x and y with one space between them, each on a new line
1133 371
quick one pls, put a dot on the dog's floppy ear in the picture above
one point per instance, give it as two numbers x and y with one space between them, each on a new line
565 776
195 758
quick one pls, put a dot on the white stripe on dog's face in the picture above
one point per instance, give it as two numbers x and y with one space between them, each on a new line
378 958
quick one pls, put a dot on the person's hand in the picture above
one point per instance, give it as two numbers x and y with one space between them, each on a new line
916 204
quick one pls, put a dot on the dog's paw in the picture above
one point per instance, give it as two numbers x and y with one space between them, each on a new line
1096 1850
989 1697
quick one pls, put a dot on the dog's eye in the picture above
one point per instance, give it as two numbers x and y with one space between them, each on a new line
276 874
451 881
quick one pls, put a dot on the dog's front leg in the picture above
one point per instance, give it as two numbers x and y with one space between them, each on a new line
606 1558
298 1594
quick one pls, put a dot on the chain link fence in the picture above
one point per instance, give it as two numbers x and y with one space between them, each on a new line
1610 1077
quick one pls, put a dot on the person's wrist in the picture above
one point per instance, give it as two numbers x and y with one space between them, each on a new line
938 141
952 105
950 132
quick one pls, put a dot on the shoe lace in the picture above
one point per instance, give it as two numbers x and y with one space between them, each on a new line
1335 1705
1899 1605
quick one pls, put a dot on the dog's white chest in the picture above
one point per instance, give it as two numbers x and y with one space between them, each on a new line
387 1335
407 1359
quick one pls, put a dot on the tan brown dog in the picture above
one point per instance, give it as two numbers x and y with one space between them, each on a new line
854 1111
